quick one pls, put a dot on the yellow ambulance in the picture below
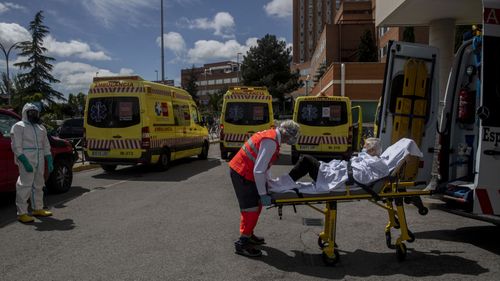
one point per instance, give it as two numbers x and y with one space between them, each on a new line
129 121
326 127
245 110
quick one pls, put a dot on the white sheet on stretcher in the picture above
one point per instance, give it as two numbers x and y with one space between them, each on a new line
366 170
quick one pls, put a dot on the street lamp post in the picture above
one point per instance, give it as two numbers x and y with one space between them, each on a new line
156 75
239 68
6 53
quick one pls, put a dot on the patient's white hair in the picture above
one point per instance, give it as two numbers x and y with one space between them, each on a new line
373 146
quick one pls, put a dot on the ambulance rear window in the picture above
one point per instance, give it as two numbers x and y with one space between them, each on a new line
322 113
113 112
247 113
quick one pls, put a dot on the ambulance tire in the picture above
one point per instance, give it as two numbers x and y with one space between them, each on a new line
164 160
331 261
204 151
108 168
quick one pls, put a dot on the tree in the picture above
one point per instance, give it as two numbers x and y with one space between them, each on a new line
192 87
367 51
38 77
215 101
77 103
268 64
17 90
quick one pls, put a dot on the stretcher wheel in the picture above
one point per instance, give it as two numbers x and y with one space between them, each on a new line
412 237
331 261
401 252
423 211
396 223
322 244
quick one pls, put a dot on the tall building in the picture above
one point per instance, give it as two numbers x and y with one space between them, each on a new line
211 78
309 18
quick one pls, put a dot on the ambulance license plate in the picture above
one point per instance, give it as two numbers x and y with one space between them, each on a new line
99 153
308 147
234 144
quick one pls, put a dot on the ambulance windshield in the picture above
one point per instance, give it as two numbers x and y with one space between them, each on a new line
113 112
247 113
322 113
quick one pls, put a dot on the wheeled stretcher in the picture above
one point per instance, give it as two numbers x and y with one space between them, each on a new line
389 193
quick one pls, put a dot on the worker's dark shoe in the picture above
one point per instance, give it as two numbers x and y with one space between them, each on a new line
41 213
244 248
256 240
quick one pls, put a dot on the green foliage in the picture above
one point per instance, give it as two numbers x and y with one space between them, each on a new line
76 104
215 101
38 77
367 50
409 34
191 86
268 64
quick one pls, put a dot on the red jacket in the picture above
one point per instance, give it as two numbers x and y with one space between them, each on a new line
244 161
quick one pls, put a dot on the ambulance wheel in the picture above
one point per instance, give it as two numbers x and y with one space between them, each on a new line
204 152
108 168
331 261
323 244
401 252
164 161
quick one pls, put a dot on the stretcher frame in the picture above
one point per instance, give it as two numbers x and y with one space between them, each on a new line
393 194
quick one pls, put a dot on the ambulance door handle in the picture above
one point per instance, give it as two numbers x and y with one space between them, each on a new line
117 137
327 134
491 152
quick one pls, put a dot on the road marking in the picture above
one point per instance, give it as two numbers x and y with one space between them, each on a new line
117 183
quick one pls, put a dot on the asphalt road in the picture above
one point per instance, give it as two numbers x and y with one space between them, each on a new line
180 224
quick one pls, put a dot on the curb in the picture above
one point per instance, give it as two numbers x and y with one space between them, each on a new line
85 167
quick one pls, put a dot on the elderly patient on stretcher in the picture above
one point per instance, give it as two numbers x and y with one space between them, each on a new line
368 167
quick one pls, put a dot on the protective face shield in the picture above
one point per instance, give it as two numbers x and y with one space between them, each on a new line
33 116
291 140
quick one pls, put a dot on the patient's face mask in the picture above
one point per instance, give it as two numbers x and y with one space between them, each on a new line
33 116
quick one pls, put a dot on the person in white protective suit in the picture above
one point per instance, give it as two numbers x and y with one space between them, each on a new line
367 167
31 148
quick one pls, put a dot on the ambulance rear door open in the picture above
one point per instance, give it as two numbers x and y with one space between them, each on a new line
487 181
409 102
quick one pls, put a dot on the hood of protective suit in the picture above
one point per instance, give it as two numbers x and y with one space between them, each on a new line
26 107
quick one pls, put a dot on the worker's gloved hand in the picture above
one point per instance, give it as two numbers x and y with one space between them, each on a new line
50 163
24 160
265 200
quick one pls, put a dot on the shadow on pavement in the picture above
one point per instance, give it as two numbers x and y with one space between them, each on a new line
179 170
368 264
54 201
53 224
484 237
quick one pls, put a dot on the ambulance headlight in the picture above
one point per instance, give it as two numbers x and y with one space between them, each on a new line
470 70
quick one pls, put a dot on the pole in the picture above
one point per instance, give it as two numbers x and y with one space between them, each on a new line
162 47
156 75
6 53
239 69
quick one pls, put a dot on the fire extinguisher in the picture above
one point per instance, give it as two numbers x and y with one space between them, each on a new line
466 106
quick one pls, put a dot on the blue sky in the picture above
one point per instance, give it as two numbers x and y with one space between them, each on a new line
114 37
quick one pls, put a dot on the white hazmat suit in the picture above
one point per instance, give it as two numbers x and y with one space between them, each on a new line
30 139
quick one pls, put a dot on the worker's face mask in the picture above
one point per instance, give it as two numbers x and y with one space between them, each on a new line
291 140
33 116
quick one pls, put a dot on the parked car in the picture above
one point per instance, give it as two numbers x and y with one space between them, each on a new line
71 129
59 180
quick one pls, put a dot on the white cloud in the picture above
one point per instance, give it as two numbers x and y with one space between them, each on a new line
211 50
76 77
6 6
12 33
173 41
279 8
222 24
73 48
